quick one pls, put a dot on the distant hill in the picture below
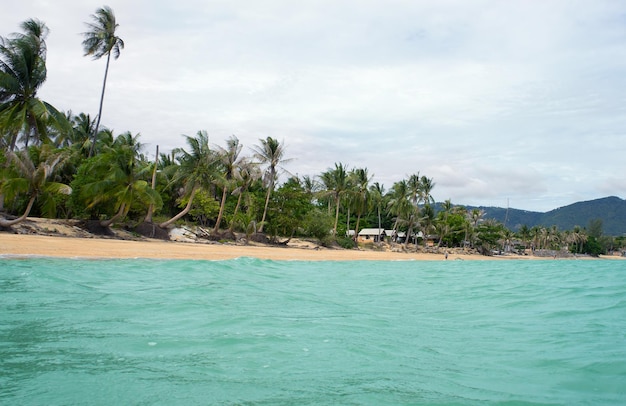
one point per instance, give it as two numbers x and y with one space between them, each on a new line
611 210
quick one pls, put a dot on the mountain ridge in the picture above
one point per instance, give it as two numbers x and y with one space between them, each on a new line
611 210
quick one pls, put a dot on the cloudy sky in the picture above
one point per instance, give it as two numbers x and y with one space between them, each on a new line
515 102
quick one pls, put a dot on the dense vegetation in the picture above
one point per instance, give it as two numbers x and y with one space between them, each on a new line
67 165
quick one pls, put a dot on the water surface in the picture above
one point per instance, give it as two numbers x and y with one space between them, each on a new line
249 331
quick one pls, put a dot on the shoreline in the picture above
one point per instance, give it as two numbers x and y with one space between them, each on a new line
28 245
38 237
20 245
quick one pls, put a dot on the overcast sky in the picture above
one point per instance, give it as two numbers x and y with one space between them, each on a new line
500 102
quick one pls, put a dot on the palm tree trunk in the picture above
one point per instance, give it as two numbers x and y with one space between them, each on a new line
221 213
104 84
29 206
267 202
337 201
182 213
232 223
117 216
148 218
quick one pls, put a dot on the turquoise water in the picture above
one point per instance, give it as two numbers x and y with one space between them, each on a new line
248 332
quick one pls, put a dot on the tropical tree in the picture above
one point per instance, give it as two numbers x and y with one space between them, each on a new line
198 169
271 153
399 201
337 184
229 158
22 73
360 194
246 173
377 193
121 178
30 173
101 40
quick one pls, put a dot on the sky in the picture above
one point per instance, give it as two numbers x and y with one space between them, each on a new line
517 103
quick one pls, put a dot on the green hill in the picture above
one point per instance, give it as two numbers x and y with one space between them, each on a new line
611 210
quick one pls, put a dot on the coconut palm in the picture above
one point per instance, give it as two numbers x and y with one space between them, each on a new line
443 227
122 178
22 73
272 153
229 158
246 173
337 183
197 170
377 193
101 40
399 201
426 186
360 194
29 173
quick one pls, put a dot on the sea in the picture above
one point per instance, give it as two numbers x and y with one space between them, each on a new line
261 332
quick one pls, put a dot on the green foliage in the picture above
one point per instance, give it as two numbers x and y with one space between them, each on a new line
594 229
203 208
456 224
593 247
318 224
346 242
290 204
488 235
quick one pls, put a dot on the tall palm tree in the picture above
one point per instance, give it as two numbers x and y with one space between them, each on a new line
338 183
229 158
197 170
361 194
22 73
426 186
29 173
272 153
101 40
377 192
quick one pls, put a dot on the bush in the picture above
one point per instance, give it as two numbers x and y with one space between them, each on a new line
318 224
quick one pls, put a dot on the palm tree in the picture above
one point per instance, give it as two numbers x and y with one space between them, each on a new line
399 201
197 170
426 186
29 174
122 180
361 194
99 41
415 198
338 183
22 73
272 153
229 160
245 175
377 192
443 225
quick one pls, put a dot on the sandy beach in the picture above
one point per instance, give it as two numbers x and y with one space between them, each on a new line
72 247
69 241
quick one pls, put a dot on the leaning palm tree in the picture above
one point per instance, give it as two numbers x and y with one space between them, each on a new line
22 73
229 160
29 173
245 175
272 153
122 178
197 170
99 41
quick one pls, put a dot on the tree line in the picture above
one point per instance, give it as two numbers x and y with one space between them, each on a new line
66 165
